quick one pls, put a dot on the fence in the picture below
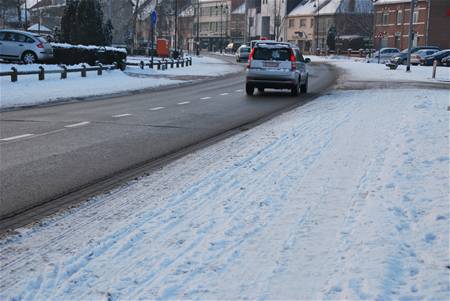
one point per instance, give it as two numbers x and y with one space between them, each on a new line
163 63
14 73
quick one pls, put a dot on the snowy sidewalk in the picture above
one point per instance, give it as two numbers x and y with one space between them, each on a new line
345 197
28 90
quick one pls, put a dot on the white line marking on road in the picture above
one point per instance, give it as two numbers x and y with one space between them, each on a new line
157 108
184 103
205 98
77 124
16 137
240 90
121 115
223 94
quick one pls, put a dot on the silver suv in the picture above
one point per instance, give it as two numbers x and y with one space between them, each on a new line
25 46
276 65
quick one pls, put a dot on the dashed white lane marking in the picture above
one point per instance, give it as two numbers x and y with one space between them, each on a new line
240 90
156 109
223 94
121 115
184 103
205 98
77 124
16 137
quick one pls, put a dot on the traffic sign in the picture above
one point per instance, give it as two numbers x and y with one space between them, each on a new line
154 17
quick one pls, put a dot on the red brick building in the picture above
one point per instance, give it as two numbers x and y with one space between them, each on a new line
431 19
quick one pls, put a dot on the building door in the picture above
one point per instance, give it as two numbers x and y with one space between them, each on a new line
384 42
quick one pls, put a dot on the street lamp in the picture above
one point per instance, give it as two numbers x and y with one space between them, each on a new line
317 5
410 35
198 28
223 8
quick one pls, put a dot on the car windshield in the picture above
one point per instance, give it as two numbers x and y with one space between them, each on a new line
272 54
441 52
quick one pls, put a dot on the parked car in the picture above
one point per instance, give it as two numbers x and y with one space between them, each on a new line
416 57
438 56
446 61
276 65
242 53
383 55
402 57
25 46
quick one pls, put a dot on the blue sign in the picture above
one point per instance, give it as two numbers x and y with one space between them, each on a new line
154 17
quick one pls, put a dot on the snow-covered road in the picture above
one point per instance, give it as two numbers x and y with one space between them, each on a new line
344 197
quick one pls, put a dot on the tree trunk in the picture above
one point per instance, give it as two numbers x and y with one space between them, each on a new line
133 27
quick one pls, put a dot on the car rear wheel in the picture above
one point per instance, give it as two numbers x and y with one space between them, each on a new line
29 57
304 87
249 89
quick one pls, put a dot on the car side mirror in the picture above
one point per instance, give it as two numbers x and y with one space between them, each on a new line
307 60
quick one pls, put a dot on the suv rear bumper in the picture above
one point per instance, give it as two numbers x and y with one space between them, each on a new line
271 83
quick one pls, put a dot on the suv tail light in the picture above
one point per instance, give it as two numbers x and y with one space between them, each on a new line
40 45
293 61
250 58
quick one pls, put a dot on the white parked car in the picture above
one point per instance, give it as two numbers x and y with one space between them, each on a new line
382 55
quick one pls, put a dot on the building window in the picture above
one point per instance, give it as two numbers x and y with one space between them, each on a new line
385 20
291 23
302 22
250 21
399 17
398 40
312 23
416 17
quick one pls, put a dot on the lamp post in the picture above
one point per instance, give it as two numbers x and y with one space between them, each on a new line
223 7
198 28
317 5
410 35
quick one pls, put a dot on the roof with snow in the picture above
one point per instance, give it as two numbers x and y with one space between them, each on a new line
331 7
383 2
240 9
37 27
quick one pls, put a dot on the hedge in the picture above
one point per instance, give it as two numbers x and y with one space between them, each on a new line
76 54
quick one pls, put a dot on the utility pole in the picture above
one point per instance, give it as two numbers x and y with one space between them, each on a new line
410 35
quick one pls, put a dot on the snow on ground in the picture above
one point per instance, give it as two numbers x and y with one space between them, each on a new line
29 91
204 66
359 70
345 197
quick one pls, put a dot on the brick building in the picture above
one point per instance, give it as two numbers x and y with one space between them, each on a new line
431 20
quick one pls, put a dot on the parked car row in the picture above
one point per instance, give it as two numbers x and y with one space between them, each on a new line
25 46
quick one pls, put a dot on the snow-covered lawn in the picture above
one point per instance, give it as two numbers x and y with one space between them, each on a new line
29 91
203 66
345 197
359 70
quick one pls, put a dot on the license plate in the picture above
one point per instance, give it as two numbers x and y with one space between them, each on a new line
270 64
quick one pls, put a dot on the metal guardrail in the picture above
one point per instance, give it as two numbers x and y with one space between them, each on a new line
163 63
14 73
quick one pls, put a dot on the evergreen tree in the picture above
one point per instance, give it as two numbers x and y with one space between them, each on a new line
90 23
108 32
69 28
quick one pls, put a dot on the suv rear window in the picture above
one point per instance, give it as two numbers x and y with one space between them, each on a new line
272 54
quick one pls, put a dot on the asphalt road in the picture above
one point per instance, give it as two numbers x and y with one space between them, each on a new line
48 152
